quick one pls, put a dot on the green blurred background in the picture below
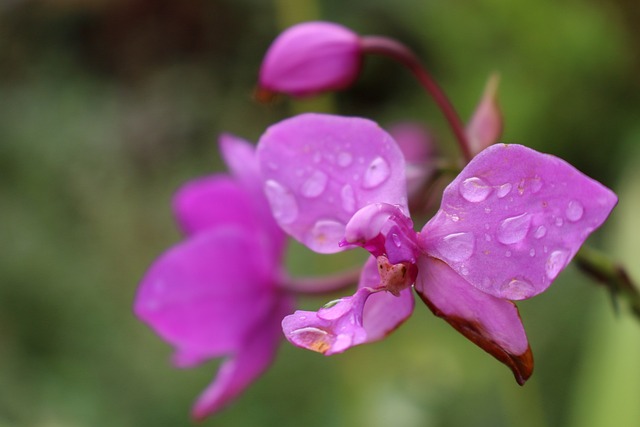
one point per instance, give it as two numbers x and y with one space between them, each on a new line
107 106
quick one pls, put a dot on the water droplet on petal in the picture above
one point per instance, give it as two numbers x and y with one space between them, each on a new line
540 232
282 201
507 254
518 289
487 210
487 237
574 211
396 240
559 222
325 234
455 218
344 159
475 190
555 263
503 190
464 271
348 199
536 184
532 252
377 173
513 230
314 185
457 247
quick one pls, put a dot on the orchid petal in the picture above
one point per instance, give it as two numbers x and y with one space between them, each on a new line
320 169
197 206
491 323
240 157
245 366
383 229
418 148
485 126
204 294
332 329
514 218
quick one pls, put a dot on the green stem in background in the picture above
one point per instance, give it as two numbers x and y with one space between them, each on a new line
405 56
611 274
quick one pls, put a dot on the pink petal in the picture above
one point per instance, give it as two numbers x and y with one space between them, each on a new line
491 323
514 218
245 366
320 169
311 57
417 146
332 329
240 157
206 293
485 126
197 204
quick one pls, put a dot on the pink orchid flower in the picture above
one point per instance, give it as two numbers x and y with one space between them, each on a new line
216 293
507 226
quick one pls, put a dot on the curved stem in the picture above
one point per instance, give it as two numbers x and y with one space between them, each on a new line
401 53
321 285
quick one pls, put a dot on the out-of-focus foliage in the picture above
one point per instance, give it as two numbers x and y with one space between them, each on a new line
107 106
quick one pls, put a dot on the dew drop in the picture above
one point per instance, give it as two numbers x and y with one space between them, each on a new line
574 211
314 185
540 232
532 252
503 190
464 271
475 190
377 173
514 229
396 240
455 218
348 199
559 222
507 254
325 235
518 289
536 184
457 247
344 159
487 210
555 263
282 201
487 237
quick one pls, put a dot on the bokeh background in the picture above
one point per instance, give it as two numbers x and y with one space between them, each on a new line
107 106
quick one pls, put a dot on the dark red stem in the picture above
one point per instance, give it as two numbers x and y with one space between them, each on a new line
397 51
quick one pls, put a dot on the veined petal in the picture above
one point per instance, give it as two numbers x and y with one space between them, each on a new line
514 218
204 294
491 323
245 366
320 169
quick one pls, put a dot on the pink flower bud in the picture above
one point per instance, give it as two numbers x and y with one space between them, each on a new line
311 57
485 126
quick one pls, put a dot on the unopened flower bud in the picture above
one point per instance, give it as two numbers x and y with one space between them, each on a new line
311 57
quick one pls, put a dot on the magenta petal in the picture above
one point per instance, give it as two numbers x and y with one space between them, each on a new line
333 329
197 206
416 143
240 157
320 169
383 312
206 293
514 218
491 323
245 366
311 57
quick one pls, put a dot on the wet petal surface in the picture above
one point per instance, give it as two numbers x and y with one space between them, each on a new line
320 169
514 218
